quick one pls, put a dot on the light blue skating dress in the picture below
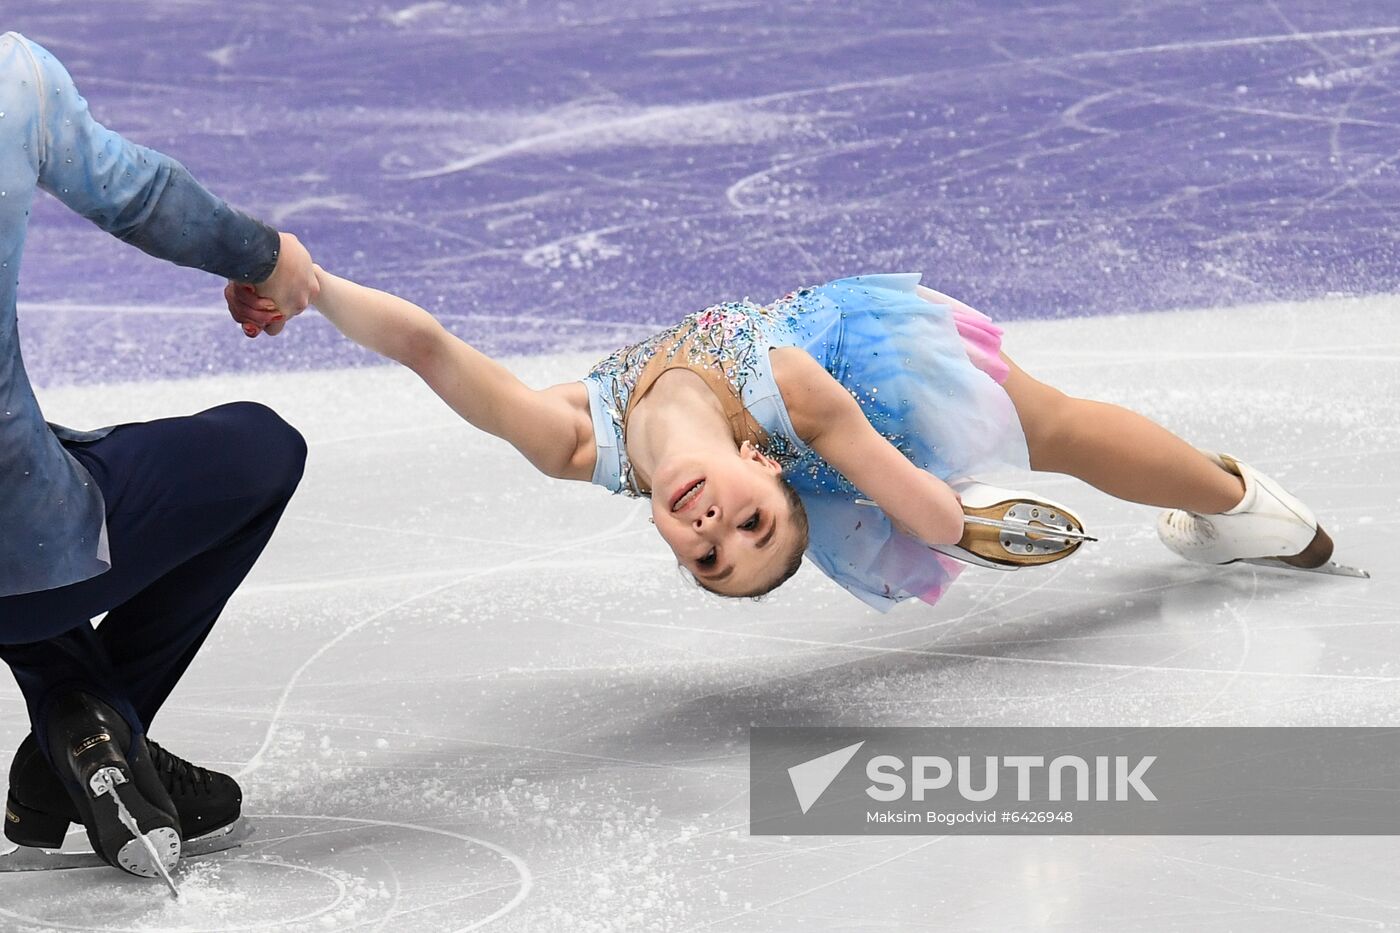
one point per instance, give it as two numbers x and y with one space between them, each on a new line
927 375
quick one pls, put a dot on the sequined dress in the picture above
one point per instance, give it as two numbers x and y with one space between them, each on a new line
926 375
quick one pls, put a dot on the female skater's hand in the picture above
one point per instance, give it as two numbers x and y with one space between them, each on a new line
253 312
265 307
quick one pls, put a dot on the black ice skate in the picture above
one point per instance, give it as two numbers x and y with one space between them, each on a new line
119 798
206 802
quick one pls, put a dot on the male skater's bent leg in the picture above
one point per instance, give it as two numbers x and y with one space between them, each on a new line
242 465
191 502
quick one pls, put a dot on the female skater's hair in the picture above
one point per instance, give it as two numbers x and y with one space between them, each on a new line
798 514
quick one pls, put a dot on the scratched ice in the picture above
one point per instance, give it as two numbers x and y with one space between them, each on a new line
460 696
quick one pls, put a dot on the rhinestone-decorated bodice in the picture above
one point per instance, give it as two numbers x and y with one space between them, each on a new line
727 346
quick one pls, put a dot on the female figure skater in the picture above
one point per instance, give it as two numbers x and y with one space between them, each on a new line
763 432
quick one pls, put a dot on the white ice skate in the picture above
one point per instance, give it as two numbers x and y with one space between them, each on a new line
1268 527
1007 529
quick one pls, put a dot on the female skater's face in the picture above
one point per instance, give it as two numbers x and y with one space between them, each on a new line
726 518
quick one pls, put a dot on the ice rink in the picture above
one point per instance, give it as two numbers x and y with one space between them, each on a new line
461 696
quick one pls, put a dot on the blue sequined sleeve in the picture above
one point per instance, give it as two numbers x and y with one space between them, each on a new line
138 195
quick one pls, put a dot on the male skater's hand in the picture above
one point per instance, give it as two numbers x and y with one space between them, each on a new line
265 307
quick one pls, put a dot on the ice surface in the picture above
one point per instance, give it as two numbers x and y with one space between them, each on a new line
460 695
550 176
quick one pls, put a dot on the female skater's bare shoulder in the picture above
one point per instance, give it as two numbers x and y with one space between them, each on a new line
571 419
809 392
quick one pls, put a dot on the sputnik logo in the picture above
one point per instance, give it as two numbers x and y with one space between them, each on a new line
811 778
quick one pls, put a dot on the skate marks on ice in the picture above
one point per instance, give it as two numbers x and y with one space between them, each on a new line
257 760
308 872
594 170
439 639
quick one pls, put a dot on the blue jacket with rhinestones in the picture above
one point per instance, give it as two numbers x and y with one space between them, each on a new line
52 517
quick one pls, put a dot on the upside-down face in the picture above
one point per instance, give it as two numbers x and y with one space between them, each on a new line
727 519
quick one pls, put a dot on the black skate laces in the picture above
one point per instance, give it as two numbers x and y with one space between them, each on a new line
176 773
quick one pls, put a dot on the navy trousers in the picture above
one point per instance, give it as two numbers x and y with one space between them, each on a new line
191 502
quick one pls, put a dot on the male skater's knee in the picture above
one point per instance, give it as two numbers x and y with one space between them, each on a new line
283 446
277 449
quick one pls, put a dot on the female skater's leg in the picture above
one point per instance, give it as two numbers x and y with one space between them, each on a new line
1117 450
1218 512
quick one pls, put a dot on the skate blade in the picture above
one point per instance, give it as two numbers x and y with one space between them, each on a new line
1031 530
1012 534
152 855
1331 568
971 557
28 858
149 853
228 837
1064 531
1020 533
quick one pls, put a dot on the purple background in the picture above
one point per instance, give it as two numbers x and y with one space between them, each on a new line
565 176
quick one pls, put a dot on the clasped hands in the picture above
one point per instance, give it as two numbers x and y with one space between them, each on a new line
265 307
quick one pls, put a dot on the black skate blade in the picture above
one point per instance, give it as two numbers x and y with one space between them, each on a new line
1331 568
27 858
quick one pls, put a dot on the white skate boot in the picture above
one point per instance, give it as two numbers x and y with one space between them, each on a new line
1007 529
1268 527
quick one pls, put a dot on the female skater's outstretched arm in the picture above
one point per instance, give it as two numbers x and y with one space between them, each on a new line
551 427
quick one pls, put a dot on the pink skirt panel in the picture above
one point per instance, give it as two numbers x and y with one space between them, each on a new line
980 336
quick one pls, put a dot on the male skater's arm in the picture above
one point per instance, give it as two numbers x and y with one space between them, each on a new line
150 200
